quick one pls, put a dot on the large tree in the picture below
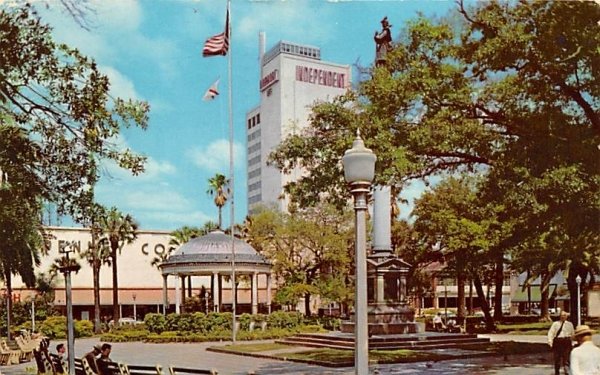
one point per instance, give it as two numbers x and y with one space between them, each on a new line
502 89
61 101
55 112
21 233
310 251
118 229
97 254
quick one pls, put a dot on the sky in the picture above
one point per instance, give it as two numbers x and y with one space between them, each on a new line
152 50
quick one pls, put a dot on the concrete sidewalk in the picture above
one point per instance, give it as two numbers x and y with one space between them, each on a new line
195 355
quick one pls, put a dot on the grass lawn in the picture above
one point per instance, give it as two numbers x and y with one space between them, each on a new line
342 358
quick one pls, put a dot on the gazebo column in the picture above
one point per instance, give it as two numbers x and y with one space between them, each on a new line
189 294
213 290
269 293
182 280
177 298
220 294
165 294
255 293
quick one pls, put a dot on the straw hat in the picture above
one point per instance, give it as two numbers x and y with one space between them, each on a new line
98 347
583 330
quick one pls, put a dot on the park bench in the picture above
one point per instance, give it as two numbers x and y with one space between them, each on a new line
14 356
181 370
140 370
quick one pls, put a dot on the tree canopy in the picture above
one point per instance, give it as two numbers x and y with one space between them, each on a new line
499 89
60 101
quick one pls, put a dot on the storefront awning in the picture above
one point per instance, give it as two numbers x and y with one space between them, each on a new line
536 295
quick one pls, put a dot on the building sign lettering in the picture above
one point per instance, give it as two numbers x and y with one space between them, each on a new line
320 77
68 246
269 80
159 249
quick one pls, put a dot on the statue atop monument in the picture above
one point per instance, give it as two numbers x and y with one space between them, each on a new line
383 41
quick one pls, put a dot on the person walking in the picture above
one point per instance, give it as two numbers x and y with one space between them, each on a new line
560 340
585 358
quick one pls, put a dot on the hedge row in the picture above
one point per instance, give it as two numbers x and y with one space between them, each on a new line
55 327
214 323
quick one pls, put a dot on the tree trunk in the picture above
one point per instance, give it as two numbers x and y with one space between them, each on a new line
96 277
9 302
220 217
115 282
461 303
485 307
575 270
470 297
544 283
499 282
96 281
307 304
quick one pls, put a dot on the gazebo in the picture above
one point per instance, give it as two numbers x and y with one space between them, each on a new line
211 255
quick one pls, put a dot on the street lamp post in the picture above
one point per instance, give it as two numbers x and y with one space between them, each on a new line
66 269
445 301
578 281
134 307
359 170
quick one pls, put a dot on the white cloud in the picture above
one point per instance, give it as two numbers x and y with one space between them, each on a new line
156 200
120 86
287 19
215 156
125 15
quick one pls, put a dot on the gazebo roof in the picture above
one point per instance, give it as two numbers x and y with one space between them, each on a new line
212 252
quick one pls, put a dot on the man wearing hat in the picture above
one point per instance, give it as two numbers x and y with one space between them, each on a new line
585 358
560 340
91 357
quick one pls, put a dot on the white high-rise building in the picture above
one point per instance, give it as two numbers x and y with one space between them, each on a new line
293 78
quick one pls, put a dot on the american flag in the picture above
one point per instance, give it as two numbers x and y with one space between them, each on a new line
218 45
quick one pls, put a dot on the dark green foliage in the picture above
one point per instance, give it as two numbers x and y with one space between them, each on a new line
55 327
156 323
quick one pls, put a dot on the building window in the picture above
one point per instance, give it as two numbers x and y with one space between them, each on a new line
258 118
254 160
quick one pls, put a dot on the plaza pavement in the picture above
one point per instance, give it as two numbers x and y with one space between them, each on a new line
195 355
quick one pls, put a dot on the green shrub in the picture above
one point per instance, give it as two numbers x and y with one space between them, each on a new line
199 322
283 319
83 328
55 327
155 323
185 322
244 321
172 322
219 321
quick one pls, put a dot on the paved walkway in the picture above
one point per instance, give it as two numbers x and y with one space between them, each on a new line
195 356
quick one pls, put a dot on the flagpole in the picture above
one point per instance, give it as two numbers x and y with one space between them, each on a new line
231 179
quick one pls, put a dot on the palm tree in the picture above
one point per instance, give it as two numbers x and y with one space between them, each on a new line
217 187
97 255
117 230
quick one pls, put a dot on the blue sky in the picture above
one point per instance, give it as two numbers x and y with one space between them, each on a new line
151 50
